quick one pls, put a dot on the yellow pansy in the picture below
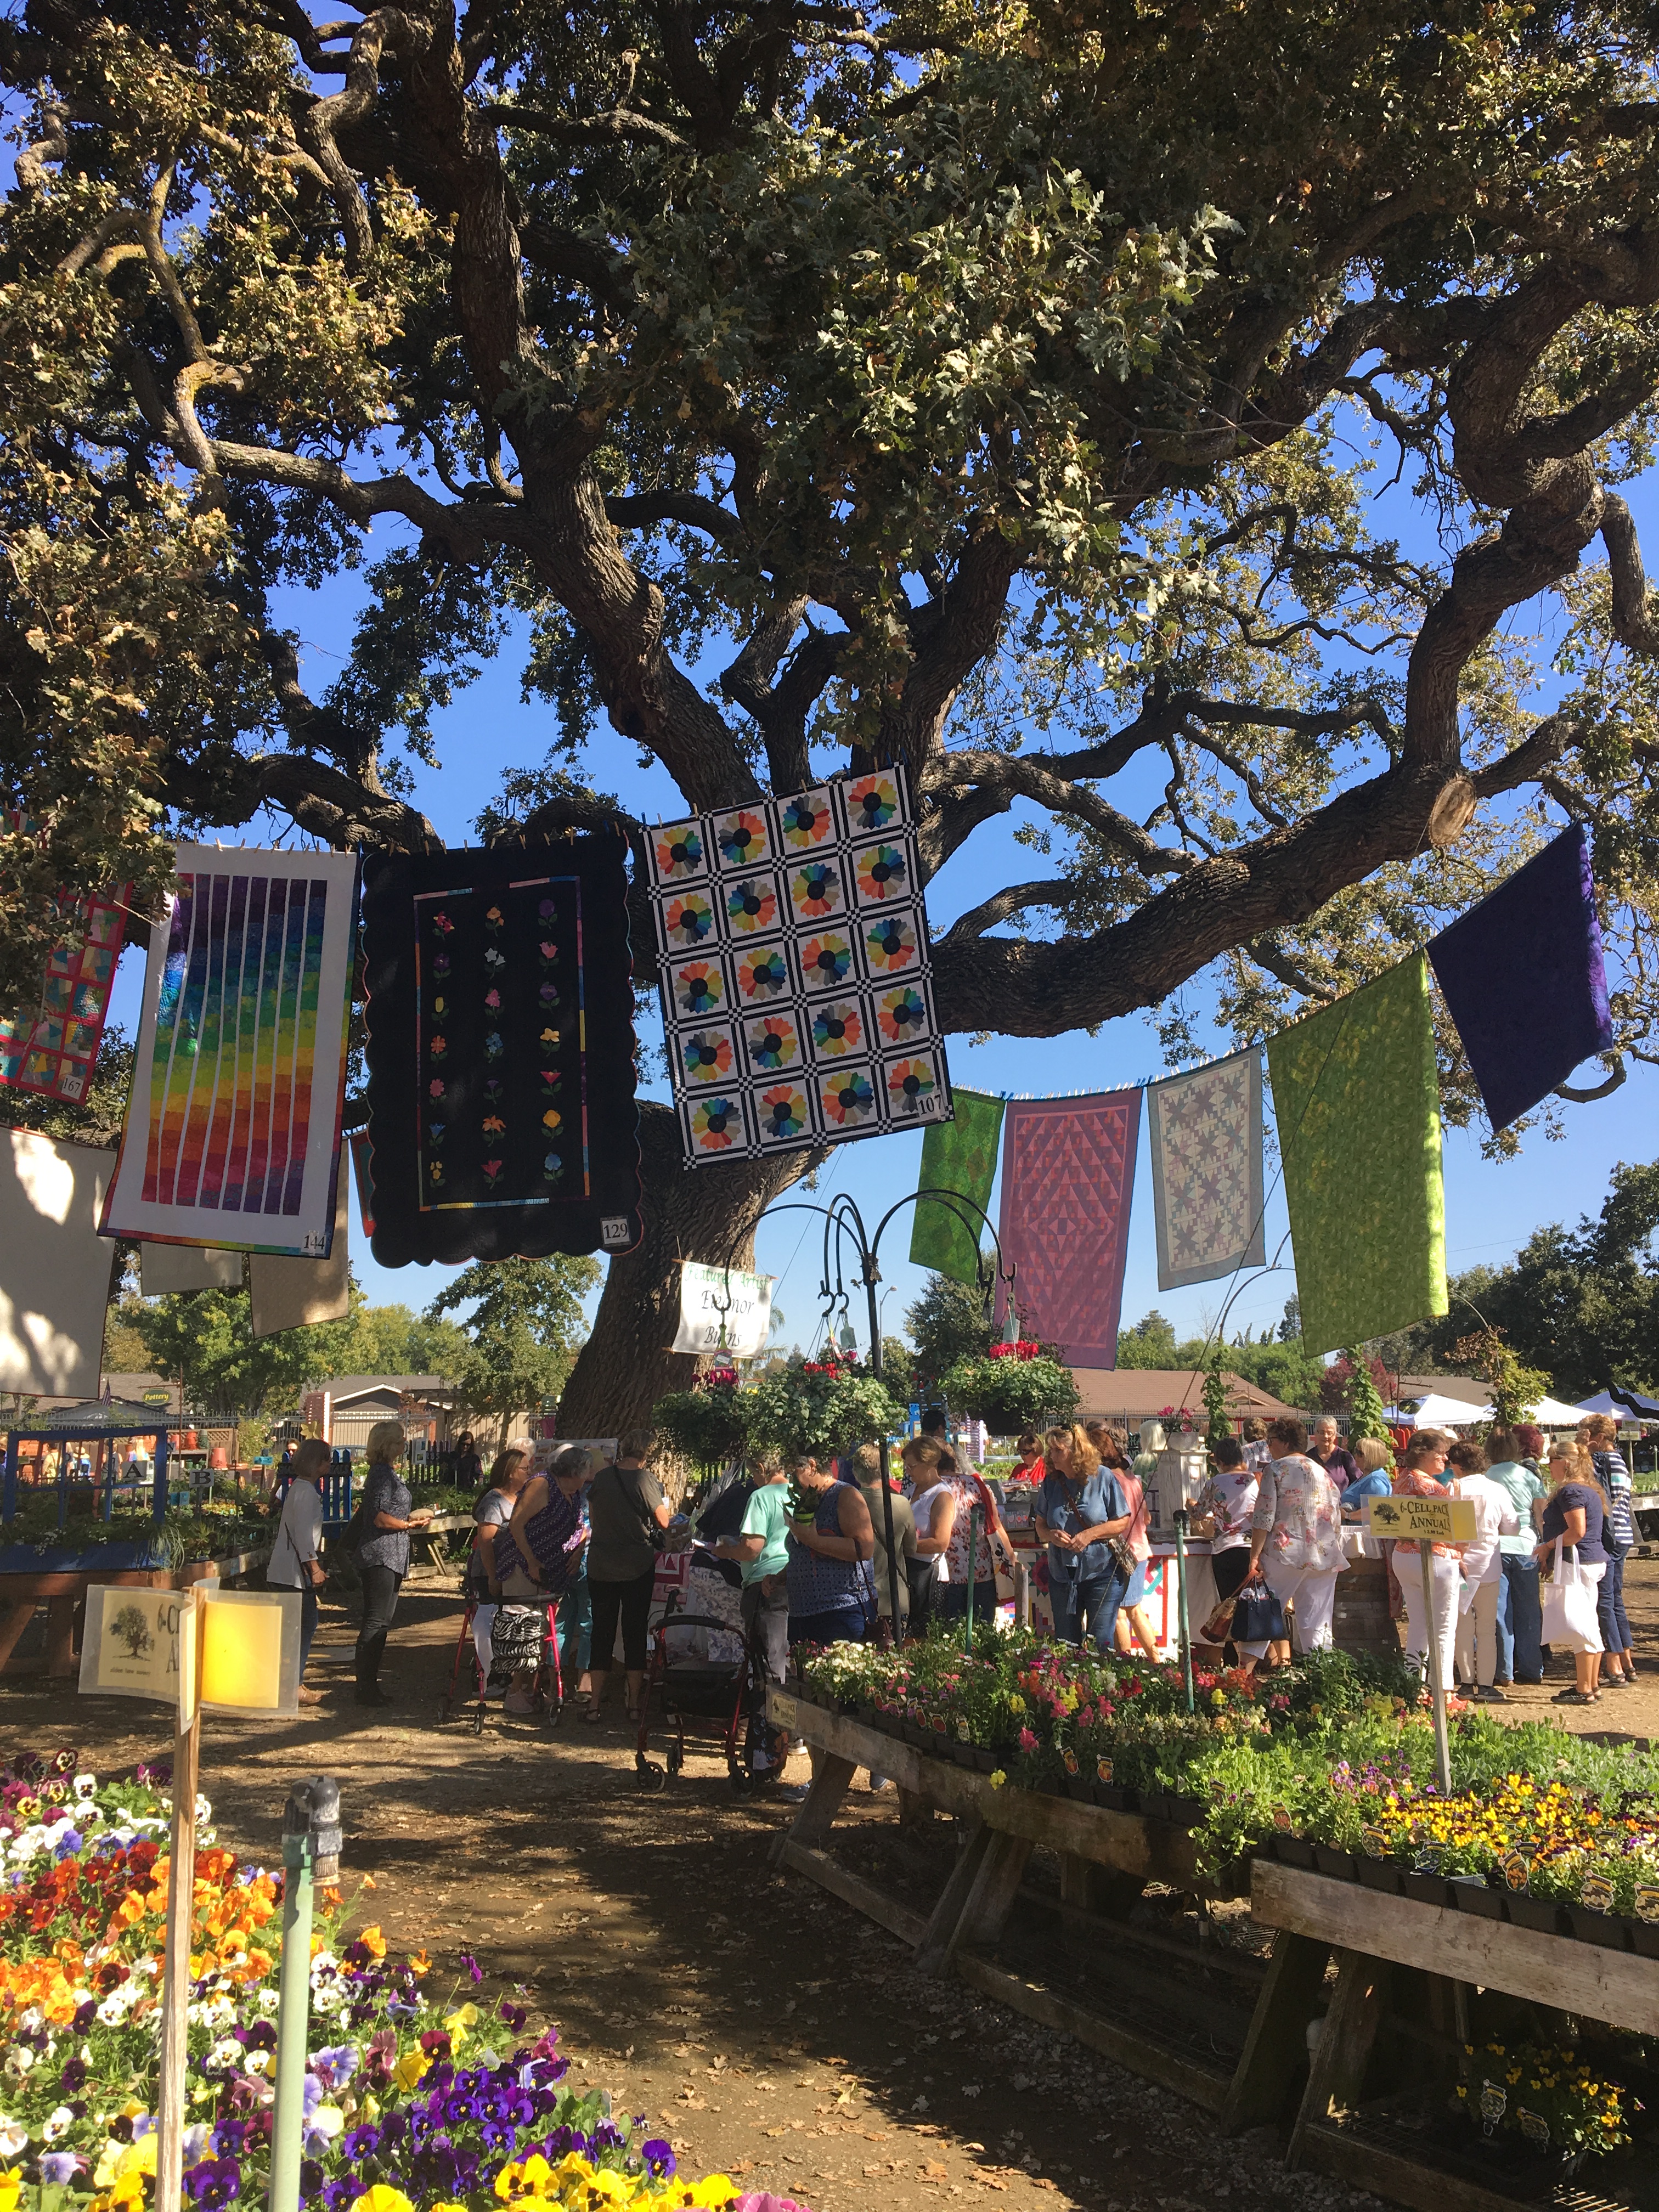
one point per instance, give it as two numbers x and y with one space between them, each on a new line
137 2158
460 2023
11 2186
410 2069
379 2198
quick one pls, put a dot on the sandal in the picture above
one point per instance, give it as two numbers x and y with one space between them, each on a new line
1574 1696
593 1715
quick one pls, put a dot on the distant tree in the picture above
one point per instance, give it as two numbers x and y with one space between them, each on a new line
1289 1330
946 1323
1284 1370
1150 1343
525 1330
397 1340
1581 1306
207 1336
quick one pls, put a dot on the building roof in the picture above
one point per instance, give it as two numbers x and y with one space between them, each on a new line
1140 1394
1444 1386
344 1388
133 1387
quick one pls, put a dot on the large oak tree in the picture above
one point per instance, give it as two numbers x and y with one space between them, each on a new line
983 386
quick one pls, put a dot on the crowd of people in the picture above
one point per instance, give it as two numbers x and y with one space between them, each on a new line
806 1542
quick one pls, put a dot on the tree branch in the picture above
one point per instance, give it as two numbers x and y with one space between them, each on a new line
386 27
1001 905
641 510
1027 775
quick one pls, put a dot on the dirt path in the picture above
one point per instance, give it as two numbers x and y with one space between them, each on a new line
767 2030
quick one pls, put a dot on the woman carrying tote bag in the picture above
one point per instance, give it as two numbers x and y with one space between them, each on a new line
1573 1556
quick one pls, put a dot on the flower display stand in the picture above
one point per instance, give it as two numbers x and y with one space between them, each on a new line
1378 1940
1396 2015
1002 1826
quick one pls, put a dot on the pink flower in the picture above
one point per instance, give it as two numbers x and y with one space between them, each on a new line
434 1089
492 999
1027 1741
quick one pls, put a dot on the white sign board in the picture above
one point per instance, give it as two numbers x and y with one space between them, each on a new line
710 1297
130 1647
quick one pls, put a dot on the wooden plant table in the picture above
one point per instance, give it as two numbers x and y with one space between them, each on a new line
1439 1957
64 1590
1372 1935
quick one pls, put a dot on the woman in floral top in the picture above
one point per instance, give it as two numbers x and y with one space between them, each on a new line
1296 1533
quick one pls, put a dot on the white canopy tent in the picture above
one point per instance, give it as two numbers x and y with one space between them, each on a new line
1436 1412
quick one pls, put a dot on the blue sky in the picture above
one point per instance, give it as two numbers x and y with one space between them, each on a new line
1491 1207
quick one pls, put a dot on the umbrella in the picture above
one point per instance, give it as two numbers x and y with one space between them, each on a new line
1622 1403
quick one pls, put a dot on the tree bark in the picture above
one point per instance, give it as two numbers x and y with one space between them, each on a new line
705 1213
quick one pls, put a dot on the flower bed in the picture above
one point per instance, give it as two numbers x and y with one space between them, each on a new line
412 2101
1331 1763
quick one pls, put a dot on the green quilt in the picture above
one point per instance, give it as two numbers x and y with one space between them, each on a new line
1358 1103
959 1156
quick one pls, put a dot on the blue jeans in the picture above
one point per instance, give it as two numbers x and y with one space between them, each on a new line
847 1625
1520 1621
576 1626
1610 1604
950 1602
1095 1601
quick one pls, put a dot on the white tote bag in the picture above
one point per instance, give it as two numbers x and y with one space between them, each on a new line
1569 1604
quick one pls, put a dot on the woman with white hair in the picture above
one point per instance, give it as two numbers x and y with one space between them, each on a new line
382 1554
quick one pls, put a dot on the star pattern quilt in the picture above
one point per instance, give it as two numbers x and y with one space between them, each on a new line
1205 1131
798 1002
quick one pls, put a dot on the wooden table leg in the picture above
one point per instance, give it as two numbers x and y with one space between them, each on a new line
914 1811
1277 2042
990 1900
1337 2073
60 1637
19 1611
933 1951
1099 1889
819 1807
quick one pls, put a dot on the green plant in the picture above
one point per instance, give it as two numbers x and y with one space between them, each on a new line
820 1406
1215 1396
1012 1392
1543 2093
1366 1413
709 1426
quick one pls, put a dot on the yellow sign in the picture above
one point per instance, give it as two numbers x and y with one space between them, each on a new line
246 1647
781 1709
1431 1520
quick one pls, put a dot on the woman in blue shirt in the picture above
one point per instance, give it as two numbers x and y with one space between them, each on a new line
1079 1506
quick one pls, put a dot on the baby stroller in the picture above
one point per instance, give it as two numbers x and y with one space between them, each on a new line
712 1701
524 1635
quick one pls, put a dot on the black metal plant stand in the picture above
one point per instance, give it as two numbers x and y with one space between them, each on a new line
844 1229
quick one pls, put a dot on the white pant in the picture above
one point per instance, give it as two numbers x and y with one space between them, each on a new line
1476 1633
1447 1584
483 1634
1312 1590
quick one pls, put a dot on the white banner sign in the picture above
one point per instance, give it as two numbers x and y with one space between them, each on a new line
747 1314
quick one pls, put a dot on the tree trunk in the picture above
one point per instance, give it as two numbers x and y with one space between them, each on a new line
704 1213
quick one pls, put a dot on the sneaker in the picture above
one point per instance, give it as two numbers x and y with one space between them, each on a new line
793 1793
1493 1695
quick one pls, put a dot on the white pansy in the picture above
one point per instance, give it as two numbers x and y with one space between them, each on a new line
268 2001
56 2124
322 1965
31 2020
327 2120
86 1788
329 1999
204 1810
13 2140
151 1967
226 2053
197 2140
488 2059
115 2009
19 2059
257 2062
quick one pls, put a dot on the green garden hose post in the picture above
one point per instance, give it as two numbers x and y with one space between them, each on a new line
1181 1599
311 1852
975 1522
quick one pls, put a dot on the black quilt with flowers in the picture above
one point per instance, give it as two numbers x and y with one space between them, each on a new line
501 1053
